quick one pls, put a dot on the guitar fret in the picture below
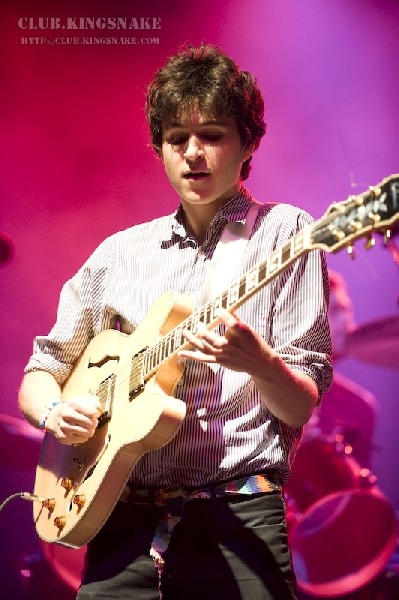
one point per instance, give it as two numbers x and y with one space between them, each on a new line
234 293
202 315
169 344
252 280
156 356
151 360
263 271
178 337
169 347
286 253
274 262
162 349
192 322
297 242
242 287
216 305
158 352
147 363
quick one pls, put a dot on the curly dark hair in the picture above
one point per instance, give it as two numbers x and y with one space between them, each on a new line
206 79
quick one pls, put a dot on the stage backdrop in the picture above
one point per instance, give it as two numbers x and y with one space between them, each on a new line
77 164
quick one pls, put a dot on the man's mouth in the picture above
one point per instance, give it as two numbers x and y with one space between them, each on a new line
194 175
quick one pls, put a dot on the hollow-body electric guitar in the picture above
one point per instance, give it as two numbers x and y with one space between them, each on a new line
135 376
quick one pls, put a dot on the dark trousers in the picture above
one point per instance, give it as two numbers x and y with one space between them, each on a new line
232 547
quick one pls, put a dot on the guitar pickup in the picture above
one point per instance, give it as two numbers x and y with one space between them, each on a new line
136 385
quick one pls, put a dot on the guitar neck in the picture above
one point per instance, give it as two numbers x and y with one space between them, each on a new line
343 223
231 299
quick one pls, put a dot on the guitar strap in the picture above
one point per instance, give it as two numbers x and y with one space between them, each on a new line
228 252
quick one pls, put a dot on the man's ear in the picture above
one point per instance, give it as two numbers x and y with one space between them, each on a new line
159 153
247 152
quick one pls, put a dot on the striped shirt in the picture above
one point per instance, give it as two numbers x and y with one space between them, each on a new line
227 432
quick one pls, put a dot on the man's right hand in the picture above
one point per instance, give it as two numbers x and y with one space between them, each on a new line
74 421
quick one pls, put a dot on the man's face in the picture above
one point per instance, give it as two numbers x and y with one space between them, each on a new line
203 157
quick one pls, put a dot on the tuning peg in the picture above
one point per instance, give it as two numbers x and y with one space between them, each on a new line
356 225
370 242
339 235
374 218
387 236
351 251
358 200
375 191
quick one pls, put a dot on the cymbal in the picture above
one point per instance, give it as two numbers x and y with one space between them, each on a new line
19 443
376 342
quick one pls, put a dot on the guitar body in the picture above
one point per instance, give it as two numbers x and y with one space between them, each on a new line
82 483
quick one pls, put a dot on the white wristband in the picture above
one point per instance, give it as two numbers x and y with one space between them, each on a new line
49 408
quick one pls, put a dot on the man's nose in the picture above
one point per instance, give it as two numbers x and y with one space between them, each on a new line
193 149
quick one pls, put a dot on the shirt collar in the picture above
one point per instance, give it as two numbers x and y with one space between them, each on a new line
234 211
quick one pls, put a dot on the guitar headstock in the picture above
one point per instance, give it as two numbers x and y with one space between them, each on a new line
377 209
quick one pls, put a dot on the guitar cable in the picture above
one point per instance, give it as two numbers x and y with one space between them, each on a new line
24 496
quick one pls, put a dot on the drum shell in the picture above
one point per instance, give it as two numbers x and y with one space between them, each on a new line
342 542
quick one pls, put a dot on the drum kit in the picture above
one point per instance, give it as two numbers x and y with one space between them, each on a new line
342 528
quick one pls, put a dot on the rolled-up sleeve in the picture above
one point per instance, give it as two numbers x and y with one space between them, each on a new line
81 302
300 329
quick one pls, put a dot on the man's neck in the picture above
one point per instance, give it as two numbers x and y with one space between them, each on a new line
199 217
198 221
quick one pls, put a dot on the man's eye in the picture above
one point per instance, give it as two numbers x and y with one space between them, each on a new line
212 137
176 140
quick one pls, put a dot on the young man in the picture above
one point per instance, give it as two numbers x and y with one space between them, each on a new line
249 385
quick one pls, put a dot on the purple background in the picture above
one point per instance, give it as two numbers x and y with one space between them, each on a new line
77 165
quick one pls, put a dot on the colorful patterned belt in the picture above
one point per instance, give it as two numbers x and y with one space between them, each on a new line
173 498
249 484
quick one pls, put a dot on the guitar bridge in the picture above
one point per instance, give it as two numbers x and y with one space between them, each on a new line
103 419
136 391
